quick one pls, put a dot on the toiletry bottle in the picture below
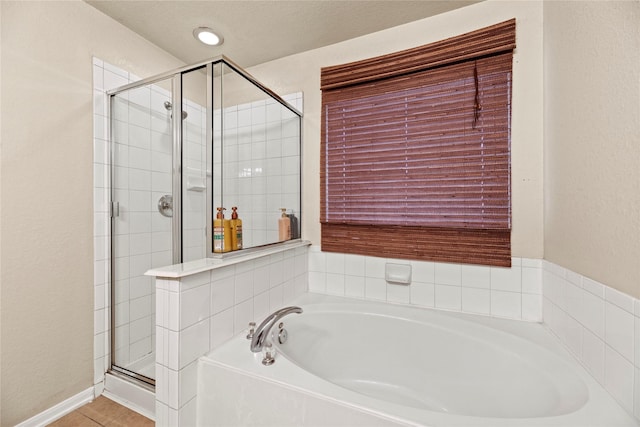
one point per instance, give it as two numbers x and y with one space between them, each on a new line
295 228
284 226
236 230
226 223
218 231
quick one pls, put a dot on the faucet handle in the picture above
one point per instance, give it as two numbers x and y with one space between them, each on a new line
252 330
269 354
263 331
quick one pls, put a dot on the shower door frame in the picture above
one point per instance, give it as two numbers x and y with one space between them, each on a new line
176 190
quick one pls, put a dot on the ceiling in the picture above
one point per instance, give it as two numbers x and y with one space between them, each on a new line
259 31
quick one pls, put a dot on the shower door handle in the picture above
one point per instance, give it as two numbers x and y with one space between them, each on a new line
165 205
115 209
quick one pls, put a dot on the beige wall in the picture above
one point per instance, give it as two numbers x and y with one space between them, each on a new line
46 170
302 72
592 140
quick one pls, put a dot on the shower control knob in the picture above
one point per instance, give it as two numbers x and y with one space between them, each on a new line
165 205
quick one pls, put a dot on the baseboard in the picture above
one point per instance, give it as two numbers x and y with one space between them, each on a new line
60 410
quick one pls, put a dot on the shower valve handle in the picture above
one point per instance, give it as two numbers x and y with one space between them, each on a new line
165 205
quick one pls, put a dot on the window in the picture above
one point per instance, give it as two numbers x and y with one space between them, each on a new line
415 159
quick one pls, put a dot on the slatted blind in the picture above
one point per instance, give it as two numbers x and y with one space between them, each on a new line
417 164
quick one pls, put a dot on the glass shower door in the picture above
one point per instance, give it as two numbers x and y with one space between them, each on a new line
141 159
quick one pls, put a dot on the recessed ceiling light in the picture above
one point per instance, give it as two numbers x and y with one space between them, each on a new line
207 36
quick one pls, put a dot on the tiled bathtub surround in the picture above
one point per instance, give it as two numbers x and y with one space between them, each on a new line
600 326
198 312
514 293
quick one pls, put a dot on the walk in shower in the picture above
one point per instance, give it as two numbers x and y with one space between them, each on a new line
183 144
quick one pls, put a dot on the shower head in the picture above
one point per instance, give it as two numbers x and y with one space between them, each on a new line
169 107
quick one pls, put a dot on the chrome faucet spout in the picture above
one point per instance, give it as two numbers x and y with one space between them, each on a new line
262 332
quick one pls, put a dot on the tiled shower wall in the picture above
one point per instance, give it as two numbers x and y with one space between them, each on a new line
261 165
141 237
194 178
105 77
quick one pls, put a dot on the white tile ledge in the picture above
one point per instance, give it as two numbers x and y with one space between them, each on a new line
206 264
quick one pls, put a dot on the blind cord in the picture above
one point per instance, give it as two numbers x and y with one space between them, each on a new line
476 105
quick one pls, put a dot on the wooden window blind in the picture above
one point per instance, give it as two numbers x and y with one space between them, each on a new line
415 153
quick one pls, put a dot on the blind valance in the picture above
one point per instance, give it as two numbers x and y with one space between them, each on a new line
486 41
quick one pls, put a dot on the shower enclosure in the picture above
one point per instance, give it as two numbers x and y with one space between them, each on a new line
183 144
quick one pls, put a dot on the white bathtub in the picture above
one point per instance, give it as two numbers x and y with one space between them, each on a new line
351 362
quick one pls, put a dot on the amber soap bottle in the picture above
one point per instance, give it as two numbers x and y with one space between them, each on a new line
236 230
221 232
284 226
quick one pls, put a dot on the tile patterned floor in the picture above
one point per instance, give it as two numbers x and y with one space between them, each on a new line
103 412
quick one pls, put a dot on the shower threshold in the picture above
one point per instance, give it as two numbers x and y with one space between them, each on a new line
143 369
136 395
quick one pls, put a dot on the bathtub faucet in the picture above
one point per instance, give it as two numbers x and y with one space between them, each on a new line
262 332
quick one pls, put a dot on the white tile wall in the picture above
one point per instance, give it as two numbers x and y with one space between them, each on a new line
513 293
141 130
199 312
194 233
600 326
240 293
103 77
261 165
